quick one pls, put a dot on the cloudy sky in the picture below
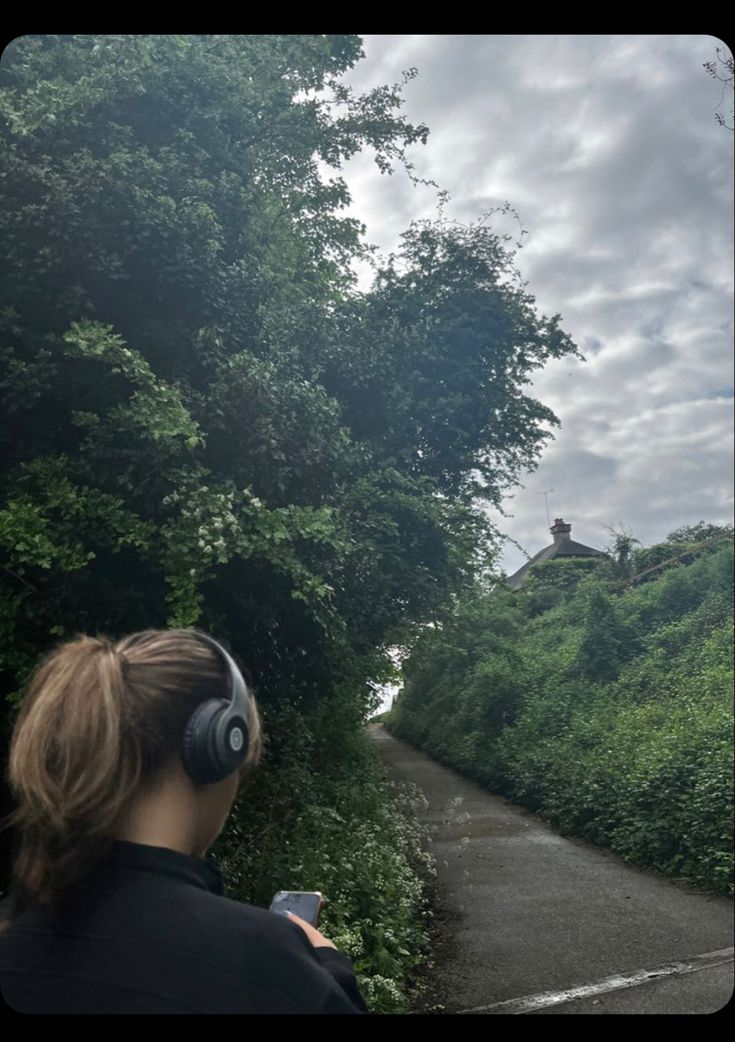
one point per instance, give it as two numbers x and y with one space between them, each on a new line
608 148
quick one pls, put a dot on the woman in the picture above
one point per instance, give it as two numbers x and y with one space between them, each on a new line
125 761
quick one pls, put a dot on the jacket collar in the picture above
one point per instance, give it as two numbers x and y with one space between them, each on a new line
163 860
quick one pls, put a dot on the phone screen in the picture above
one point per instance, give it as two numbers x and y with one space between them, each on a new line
304 903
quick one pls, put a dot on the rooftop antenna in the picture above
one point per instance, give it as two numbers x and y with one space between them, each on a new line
546 498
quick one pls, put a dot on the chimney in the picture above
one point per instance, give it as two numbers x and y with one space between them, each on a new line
560 531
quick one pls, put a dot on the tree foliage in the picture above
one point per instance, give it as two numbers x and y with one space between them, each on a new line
684 544
182 334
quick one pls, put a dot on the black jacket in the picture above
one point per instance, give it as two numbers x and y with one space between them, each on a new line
150 932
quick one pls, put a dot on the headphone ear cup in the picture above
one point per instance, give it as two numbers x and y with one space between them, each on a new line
197 748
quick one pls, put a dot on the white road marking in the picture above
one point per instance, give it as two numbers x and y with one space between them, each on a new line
628 980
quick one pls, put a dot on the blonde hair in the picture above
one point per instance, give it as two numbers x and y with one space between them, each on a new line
100 724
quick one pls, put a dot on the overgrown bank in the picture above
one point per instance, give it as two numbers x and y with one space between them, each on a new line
607 711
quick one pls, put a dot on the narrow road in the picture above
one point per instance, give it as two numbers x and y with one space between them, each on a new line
533 922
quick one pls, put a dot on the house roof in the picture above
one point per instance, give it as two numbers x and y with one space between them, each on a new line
562 546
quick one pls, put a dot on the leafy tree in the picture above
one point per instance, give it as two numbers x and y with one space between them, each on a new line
702 538
170 254
439 351
701 532
179 328
621 552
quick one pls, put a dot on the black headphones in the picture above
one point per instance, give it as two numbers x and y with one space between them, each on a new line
216 737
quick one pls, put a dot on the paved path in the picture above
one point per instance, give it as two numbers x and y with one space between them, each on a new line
533 922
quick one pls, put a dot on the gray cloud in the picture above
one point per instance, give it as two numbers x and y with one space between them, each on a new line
608 147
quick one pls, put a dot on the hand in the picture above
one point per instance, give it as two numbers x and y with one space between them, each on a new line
316 938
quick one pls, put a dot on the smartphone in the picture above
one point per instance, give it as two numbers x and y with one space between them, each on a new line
307 904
